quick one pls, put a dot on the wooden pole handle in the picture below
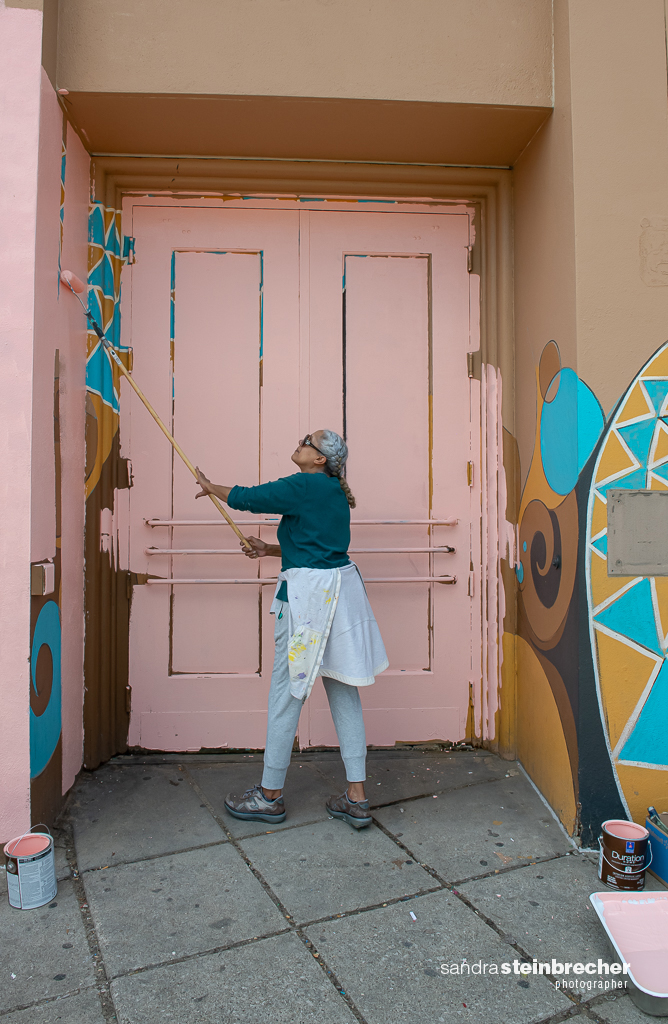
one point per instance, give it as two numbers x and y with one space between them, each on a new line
177 448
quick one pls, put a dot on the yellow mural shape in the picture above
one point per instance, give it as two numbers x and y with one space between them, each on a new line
624 673
642 787
540 736
661 583
657 484
660 452
614 459
599 516
602 585
635 405
659 366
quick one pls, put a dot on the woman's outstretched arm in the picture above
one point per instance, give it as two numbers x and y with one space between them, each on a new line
259 548
219 490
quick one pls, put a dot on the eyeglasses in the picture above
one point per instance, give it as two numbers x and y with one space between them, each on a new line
308 442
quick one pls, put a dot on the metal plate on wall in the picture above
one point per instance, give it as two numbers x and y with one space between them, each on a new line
637 533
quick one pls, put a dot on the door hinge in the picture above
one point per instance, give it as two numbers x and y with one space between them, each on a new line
471 583
128 699
129 250
469 363
469 258
469 473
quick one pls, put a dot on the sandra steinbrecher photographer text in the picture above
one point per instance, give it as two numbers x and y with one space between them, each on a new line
565 974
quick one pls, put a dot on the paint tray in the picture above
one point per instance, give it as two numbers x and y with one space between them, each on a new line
636 924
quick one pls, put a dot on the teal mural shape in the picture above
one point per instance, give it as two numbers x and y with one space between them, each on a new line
45 728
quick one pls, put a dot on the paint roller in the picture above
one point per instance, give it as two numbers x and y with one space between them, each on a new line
76 287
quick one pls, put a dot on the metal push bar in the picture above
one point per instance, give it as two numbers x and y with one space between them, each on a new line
273 522
274 581
353 551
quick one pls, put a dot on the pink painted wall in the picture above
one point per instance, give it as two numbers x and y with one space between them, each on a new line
21 33
36 322
60 324
72 344
45 342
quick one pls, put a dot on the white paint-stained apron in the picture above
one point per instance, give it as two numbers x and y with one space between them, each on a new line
333 631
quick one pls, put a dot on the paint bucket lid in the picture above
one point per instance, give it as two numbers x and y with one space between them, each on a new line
621 829
27 846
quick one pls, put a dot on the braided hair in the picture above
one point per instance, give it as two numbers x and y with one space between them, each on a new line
335 450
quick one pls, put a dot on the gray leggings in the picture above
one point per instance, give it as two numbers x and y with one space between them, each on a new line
283 716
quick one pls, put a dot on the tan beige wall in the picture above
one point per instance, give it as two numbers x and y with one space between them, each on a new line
545 306
620 168
447 51
585 186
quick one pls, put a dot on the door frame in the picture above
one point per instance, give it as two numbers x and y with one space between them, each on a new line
495 472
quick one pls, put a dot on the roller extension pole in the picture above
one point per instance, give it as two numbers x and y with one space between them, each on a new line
71 281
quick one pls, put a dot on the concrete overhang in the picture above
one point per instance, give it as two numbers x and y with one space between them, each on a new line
368 130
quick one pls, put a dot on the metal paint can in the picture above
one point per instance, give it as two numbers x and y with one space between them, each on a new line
31 870
622 859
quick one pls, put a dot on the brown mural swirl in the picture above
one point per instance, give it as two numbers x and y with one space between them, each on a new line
549 548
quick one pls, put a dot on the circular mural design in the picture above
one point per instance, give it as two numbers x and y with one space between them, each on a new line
628 616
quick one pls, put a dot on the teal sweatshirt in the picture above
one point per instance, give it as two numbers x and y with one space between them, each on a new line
314 532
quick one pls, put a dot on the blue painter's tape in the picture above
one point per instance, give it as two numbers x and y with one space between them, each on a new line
45 728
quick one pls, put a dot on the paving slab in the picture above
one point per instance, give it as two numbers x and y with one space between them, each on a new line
329 868
83 1008
273 980
396 776
470 831
390 966
546 908
621 1010
151 911
121 814
305 793
45 948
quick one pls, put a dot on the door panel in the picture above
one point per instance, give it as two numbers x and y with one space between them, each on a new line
283 322
389 321
386 408
217 371
201 654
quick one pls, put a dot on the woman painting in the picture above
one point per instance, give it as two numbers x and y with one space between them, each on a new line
324 623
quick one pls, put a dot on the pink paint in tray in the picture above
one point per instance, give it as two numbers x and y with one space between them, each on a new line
637 926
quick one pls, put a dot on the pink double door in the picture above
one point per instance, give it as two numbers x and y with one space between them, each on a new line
252 323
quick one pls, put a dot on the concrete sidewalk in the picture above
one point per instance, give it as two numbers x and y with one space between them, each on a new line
170 912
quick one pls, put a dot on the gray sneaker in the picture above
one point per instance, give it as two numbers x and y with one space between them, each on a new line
254 806
355 813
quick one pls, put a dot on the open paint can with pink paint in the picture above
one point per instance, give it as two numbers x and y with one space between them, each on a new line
31 870
637 929
622 860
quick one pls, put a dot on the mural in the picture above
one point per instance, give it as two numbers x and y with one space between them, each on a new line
628 617
592 671
45 667
569 422
107 591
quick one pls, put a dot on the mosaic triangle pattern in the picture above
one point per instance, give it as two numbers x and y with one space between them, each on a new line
632 456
